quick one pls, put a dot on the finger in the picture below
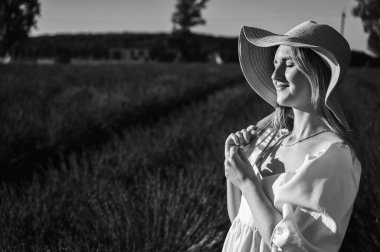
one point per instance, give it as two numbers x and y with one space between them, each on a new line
242 156
234 138
246 135
253 132
235 161
233 151
231 140
238 154
252 128
240 137
226 163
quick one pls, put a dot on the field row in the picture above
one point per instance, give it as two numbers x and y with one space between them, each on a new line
60 109
161 186
158 188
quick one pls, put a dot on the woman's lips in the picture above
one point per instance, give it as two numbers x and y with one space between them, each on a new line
281 86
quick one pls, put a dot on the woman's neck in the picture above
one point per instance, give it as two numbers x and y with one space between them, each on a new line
306 123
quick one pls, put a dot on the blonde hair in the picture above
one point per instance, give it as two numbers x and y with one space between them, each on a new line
318 73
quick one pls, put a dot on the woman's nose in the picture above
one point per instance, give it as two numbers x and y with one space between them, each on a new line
278 73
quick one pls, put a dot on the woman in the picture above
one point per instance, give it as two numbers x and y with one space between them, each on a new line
292 179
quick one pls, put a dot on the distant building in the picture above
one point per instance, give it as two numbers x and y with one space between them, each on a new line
132 55
6 59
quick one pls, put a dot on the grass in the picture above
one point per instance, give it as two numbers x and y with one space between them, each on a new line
159 185
61 109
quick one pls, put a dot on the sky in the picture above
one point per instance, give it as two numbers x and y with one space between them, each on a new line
223 17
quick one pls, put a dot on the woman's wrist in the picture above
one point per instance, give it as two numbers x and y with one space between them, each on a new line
249 184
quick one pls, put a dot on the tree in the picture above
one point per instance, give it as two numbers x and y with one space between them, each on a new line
188 14
17 18
369 12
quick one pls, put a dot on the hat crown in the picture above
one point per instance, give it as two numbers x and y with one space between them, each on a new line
323 36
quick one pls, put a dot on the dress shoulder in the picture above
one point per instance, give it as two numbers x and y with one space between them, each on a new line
334 150
316 200
332 173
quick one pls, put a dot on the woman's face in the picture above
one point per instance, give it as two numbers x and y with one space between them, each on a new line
292 86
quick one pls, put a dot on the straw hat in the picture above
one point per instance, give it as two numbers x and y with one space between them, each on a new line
257 50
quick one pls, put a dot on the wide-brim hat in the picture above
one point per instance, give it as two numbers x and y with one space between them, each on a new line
257 48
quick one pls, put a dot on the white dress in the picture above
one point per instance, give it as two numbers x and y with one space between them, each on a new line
315 200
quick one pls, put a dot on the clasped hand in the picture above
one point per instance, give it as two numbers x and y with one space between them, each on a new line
237 167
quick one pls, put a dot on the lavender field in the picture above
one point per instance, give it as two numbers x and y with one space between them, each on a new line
130 157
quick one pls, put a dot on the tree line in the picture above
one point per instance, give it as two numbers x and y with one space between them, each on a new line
18 17
162 46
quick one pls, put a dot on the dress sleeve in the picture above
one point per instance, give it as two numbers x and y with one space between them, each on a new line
316 201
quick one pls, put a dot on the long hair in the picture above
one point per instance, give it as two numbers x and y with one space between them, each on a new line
318 74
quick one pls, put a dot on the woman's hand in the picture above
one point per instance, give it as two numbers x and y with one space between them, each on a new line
240 138
237 167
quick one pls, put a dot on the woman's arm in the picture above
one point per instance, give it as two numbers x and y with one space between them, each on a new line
240 173
263 211
240 138
233 200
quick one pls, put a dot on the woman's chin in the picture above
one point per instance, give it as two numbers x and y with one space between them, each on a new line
282 102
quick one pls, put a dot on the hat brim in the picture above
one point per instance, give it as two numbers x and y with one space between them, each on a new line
256 51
